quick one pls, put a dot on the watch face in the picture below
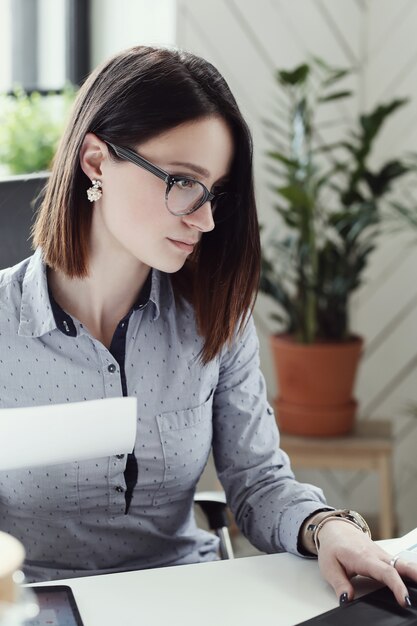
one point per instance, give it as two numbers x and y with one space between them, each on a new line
359 520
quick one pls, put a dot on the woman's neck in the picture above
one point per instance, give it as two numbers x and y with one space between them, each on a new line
105 296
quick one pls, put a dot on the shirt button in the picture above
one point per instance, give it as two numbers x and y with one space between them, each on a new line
121 325
120 456
119 489
112 368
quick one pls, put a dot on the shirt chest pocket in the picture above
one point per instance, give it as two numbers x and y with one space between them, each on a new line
49 493
186 438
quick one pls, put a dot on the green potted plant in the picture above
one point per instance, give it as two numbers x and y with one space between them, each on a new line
30 128
331 206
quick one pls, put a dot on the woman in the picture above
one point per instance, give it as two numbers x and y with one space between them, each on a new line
144 275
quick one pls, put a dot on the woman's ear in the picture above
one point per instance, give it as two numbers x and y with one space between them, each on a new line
93 152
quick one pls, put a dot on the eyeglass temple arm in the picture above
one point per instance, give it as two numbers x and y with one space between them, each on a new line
136 158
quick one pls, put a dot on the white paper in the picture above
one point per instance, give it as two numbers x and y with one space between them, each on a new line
63 433
407 542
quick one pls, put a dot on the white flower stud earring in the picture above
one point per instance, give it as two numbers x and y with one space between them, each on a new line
95 192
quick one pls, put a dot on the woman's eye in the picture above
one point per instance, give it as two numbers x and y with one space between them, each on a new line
185 183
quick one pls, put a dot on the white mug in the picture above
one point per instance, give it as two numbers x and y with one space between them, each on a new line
12 555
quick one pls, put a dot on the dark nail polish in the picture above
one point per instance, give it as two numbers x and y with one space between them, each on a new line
344 598
408 601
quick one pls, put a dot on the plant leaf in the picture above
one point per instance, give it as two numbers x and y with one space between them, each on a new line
294 77
337 95
295 195
278 156
336 76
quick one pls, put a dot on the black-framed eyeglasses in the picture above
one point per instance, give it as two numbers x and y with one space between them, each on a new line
183 194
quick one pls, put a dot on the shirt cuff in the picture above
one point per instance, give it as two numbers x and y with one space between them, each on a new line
292 520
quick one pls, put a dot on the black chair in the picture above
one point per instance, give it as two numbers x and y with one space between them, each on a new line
214 506
17 208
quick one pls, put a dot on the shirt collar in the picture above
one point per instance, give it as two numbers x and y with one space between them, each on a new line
155 292
39 313
36 316
145 293
65 323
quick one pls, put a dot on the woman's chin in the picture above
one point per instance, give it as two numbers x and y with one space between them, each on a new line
170 266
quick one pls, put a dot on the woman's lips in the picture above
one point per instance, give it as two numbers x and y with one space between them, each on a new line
182 245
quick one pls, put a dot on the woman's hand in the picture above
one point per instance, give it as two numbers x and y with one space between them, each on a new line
345 551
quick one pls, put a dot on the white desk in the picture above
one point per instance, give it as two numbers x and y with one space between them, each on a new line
278 589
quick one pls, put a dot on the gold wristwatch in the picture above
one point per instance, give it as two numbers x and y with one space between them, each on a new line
317 521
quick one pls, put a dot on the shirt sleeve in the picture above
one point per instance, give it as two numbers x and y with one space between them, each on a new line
268 504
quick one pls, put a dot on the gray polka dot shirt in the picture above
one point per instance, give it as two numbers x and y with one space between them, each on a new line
72 517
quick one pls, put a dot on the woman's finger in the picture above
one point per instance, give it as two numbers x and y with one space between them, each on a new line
336 576
384 572
406 569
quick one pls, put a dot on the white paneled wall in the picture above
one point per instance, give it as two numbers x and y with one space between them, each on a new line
119 24
247 40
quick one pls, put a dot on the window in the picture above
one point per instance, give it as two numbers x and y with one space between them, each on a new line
43 43
5 45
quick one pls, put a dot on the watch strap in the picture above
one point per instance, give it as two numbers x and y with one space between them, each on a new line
346 515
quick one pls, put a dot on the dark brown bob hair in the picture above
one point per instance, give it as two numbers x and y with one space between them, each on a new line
133 97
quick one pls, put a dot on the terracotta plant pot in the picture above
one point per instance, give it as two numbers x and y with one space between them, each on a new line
315 385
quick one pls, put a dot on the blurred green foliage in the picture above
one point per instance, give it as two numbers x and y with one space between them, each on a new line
332 202
30 128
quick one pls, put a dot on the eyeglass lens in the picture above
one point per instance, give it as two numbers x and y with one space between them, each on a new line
184 196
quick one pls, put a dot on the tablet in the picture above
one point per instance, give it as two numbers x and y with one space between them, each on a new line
57 607
379 607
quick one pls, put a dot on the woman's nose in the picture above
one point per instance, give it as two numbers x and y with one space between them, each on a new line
202 219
